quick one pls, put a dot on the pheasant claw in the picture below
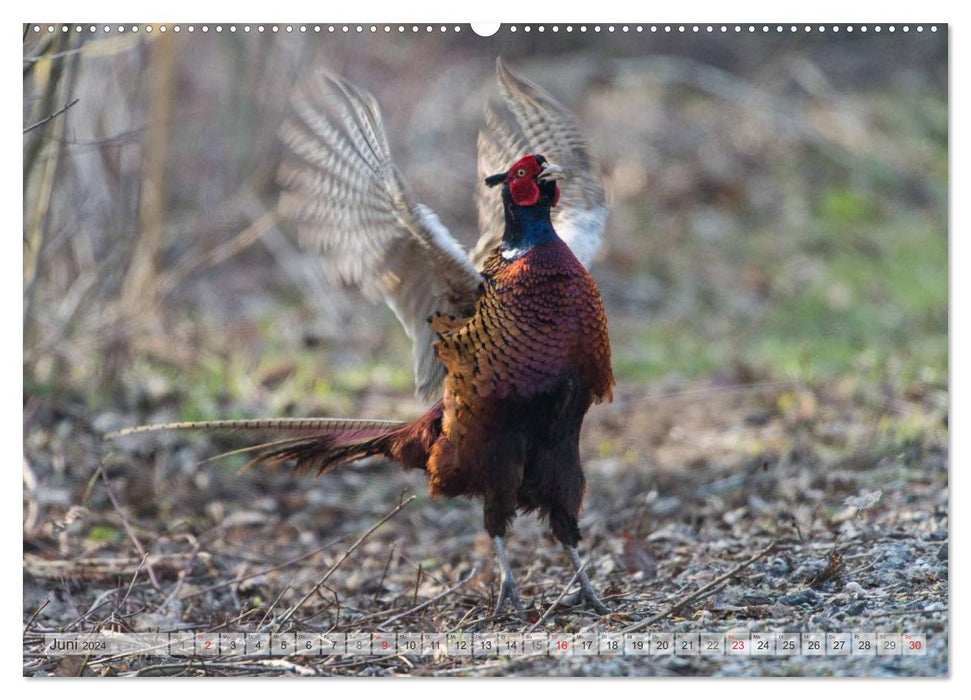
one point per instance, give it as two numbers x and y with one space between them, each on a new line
587 589
507 584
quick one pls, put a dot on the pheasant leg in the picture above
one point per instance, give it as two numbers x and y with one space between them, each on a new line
585 586
507 588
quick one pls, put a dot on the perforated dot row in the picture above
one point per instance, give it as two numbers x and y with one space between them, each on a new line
720 28
428 28
273 28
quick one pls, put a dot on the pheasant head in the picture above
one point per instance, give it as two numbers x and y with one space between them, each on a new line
529 191
530 181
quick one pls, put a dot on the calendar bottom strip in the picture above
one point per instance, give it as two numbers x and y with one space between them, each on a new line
196 644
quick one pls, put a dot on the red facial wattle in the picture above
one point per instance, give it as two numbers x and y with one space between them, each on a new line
522 182
524 191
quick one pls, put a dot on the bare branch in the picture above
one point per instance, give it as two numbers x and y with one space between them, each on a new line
46 119
53 56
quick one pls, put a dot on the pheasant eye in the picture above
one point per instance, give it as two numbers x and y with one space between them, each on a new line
521 172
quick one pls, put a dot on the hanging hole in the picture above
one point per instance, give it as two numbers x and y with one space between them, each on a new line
485 28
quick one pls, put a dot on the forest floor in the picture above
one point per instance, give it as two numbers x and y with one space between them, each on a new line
683 487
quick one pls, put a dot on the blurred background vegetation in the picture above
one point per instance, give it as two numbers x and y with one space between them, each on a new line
779 212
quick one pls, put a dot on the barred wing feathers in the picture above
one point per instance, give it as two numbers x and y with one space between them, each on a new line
350 202
549 128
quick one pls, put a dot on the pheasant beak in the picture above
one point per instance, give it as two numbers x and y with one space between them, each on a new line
551 171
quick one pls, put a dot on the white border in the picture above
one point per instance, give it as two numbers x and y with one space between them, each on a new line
486 11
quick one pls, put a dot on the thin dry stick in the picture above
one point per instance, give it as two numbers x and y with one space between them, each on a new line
34 616
240 579
704 589
466 616
131 585
387 565
556 602
456 670
269 612
345 555
53 115
129 530
236 620
183 574
430 601
98 603
414 598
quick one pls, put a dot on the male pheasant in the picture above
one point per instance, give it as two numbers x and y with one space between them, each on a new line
511 340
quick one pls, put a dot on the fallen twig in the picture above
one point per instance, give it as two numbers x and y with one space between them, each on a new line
99 602
488 665
131 585
91 569
247 666
414 598
387 565
266 615
345 555
468 613
556 602
183 574
129 530
240 579
701 591
430 601
34 615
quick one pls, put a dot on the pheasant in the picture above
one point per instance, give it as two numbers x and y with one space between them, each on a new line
510 341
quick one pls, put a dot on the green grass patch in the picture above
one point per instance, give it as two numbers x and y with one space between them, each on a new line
871 297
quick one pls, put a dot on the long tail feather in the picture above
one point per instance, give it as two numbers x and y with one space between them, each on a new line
301 425
312 444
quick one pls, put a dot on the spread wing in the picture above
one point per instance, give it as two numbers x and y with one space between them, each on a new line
549 128
350 203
